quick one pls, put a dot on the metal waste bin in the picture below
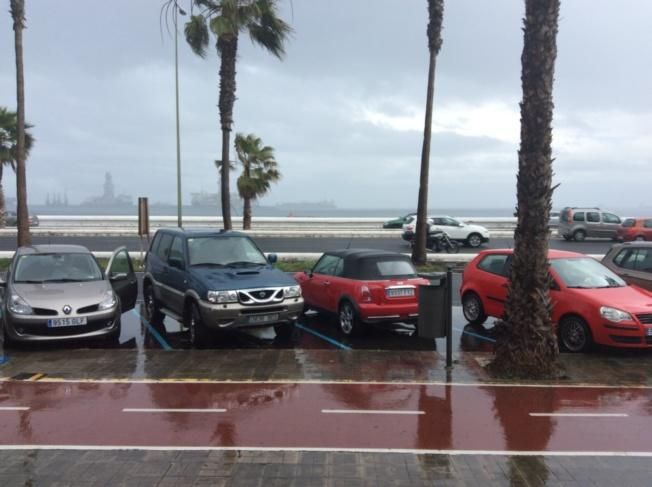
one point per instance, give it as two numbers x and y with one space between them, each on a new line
432 306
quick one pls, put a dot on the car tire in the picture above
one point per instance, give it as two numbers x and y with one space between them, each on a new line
474 240
473 309
197 331
579 235
568 238
347 317
640 238
284 331
574 335
152 311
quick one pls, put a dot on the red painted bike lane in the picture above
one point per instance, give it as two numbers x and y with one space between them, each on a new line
326 416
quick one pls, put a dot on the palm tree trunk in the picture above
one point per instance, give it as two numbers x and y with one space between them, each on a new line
3 220
527 345
436 13
246 214
18 15
228 48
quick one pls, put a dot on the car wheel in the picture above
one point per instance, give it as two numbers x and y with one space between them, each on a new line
567 238
474 240
579 235
348 319
196 328
574 334
152 310
284 331
640 238
473 310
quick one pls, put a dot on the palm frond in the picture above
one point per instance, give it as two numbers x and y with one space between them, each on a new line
268 30
196 32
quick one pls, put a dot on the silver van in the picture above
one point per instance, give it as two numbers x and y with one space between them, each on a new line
579 223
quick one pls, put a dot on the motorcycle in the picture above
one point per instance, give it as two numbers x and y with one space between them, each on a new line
439 240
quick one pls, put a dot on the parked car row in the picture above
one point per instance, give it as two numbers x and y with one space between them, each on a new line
580 223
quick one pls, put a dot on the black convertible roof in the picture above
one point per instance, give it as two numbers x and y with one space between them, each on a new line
356 261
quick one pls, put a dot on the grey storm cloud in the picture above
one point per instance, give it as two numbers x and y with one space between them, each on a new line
344 110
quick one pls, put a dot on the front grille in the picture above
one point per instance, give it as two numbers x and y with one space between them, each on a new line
88 309
646 319
44 312
625 339
260 296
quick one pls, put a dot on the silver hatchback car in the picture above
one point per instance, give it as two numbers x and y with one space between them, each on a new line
59 292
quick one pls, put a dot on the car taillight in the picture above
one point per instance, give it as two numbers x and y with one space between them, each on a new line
365 294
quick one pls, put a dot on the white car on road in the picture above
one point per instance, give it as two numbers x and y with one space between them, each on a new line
471 235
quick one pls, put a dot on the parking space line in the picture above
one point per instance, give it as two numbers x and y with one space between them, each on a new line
581 415
4 359
14 408
164 344
492 340
173 410
323 337
370 411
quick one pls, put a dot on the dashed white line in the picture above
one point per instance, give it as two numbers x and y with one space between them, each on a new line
581 415
369 411
172 410
14 408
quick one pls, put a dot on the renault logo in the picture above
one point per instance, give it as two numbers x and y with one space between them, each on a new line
67 309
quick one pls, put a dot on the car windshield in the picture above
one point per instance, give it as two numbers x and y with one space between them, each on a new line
379 269
585 273
65 267
224 252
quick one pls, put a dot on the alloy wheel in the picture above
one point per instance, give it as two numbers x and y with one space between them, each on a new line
346 319
471 308
573 335
475 241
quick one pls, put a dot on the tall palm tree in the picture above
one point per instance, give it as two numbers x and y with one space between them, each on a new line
17 9
527 345
226 19
8 152
436 15
259 171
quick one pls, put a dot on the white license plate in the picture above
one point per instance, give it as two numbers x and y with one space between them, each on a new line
258 319
56 323
400 292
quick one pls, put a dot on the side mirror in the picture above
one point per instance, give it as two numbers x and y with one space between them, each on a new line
308 272
272 258
176 263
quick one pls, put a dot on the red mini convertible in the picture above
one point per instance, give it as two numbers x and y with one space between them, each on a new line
362 286
591 304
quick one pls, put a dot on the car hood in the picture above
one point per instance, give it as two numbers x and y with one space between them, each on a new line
628 298
55 295
242 278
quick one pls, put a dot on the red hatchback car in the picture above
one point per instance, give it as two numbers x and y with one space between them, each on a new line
635 229
362 286
591 304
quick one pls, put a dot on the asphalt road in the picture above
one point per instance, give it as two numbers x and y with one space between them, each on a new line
302 244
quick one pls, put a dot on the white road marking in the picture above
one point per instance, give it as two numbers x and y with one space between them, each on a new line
582 415
172 410
526 453
368 411
14 408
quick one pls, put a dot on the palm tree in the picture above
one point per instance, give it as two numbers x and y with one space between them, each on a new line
8 151
17 8
436 15
226 19
527 345
259 171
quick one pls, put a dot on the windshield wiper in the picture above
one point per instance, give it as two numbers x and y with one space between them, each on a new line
213 264
64 279
243 263
28 282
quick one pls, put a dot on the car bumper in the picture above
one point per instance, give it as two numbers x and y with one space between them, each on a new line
626 336
375 313
235 315
21 328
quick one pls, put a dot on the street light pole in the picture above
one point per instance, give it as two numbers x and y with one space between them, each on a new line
177 10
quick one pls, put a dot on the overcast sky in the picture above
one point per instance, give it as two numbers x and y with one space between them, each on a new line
344 110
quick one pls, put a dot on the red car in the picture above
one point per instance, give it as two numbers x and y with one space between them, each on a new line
635 229
362 287
591 304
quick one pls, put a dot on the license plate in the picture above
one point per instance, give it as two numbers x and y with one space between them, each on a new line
56 323
648 332
400 292
258 319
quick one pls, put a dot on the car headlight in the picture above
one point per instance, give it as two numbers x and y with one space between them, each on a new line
19 306
108 301
292 292
221 297
614 315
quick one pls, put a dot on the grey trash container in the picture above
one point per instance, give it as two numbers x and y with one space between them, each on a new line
433 307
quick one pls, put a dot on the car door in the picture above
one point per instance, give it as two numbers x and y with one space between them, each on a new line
593 224
176 275
121 275
492 282
319 281
157 262
610 225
